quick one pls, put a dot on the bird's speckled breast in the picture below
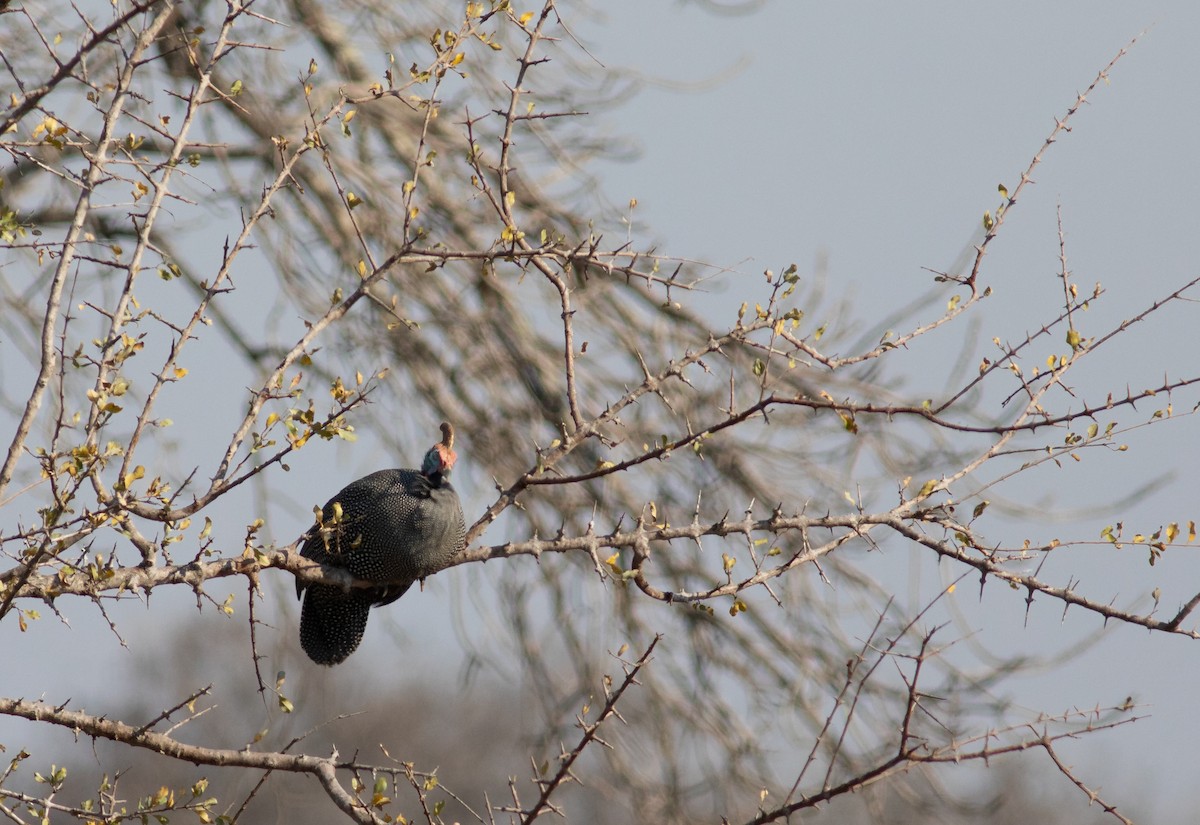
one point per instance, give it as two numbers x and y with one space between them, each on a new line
412 530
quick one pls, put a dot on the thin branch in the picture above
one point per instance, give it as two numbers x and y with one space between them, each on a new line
589 735
324 769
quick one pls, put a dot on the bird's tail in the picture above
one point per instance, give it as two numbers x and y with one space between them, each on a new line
332 622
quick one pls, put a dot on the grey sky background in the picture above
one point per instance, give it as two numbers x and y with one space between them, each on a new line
866 140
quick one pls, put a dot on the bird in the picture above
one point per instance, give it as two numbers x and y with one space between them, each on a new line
394 527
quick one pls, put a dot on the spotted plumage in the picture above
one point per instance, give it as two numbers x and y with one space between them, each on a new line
394 527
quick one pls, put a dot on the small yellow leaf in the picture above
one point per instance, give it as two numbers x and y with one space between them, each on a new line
138 472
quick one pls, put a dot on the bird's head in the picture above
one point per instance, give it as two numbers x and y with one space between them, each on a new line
439 461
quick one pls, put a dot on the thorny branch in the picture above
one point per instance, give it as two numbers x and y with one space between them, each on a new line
323 769
590 731
97 169
914 749
127 580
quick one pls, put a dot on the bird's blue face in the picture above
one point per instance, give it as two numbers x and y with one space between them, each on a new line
438 461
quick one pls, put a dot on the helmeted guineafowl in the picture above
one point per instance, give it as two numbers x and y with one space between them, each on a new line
393 526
